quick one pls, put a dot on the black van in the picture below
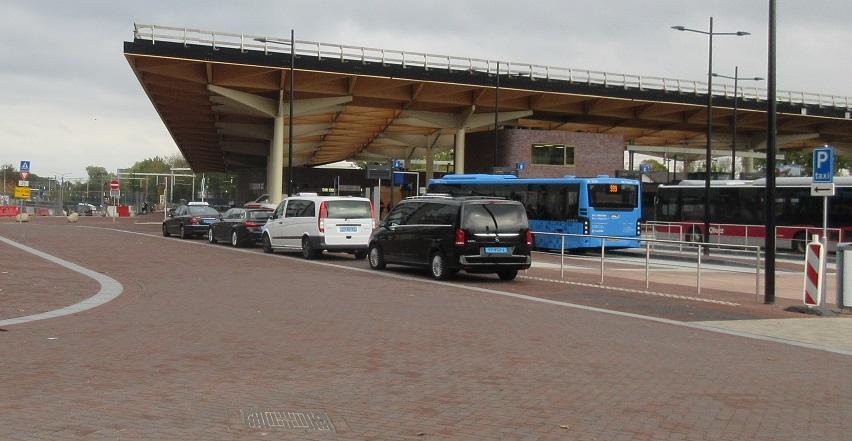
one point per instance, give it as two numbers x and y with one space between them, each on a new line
446 234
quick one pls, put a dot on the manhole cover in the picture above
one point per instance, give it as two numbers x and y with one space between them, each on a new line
286 420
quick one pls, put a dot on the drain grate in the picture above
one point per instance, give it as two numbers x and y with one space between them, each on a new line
286 420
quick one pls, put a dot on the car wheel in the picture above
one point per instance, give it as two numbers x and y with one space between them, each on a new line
438 267
267 245
377 258
210 236
235 239
183 234
308 251
360 254
507 275
166 231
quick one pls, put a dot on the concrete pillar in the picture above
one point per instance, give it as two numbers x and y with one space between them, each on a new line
748 164
630 161
430 163
458 156
268 184
276 161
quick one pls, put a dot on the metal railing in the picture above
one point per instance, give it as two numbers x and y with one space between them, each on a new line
425 60
752 234
699 246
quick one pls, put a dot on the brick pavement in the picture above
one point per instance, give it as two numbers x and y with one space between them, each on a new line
386 358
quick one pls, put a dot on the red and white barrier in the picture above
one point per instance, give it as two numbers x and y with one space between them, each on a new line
814 274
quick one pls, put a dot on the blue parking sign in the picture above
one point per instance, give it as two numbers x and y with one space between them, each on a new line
824 165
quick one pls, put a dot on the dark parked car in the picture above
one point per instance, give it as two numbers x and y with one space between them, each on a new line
239 226
478 235
193 219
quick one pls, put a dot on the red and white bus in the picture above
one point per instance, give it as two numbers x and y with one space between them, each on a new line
737 212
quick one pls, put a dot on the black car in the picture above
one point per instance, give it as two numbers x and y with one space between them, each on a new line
445 234
239 226
190 220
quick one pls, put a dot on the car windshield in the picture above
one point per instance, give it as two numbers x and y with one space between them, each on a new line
347 209
203 211
613 196
494 218
259 215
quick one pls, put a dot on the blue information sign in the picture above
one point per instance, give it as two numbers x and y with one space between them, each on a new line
25 166
644 168
521 166
824 165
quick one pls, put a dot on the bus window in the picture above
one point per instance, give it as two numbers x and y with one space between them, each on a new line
692 204
667 201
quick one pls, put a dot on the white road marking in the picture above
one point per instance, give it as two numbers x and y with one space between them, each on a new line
109 288
692 325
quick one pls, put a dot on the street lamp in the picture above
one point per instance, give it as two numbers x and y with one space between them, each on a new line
292 44
710 34
734 130
61 184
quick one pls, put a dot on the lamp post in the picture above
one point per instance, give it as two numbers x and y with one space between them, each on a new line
736 78
292 44
709 33
61 184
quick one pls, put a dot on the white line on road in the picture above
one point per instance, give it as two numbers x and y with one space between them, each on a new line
691 325
110 288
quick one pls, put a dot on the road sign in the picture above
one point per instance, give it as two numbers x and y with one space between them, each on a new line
814 259
114 192
521 166
23 183
25 166
25 175
824 165
22 192
113 185
644 168
378 171
825 190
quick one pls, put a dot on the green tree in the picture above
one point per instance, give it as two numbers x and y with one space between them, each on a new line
656 166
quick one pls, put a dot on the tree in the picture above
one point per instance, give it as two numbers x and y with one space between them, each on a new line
655 165
10 176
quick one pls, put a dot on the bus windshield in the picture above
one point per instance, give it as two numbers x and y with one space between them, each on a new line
613 196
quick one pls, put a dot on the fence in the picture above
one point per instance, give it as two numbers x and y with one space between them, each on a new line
425 60
700 247
794 237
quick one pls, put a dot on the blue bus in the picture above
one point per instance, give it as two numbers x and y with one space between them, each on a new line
601 206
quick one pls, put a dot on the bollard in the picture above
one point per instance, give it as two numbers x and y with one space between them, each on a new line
562 259
647 262
603 241
73 218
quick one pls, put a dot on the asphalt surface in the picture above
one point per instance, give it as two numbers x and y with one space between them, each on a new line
203 337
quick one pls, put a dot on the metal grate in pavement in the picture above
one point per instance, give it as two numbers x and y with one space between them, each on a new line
287 420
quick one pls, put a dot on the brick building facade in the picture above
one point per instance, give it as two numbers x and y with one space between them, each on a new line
593 153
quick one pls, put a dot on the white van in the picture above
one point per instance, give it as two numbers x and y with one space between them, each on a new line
317 223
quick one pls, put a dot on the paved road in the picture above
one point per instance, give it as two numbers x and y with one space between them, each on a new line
201 333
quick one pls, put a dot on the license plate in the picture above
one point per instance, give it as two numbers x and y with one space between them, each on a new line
496 250
348 229
207 221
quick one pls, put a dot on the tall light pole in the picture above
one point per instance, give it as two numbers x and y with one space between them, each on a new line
769 199
709 33
736 78
61 184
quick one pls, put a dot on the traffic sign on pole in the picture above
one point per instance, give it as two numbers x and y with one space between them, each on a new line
113 185
25 166
824 165
814 272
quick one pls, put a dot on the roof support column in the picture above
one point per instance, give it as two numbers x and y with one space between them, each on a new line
276 161
269 169
430 162
458 155
748 164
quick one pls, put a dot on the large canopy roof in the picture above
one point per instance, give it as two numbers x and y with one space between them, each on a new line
217 94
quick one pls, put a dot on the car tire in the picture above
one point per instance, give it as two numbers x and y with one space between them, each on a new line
376 258
267 245
360 254
210 236
166 231
308 251
508 275
438 267
183 234
235 239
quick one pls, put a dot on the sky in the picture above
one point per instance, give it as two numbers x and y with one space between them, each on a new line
68 98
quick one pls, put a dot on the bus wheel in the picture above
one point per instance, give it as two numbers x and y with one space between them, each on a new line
799 243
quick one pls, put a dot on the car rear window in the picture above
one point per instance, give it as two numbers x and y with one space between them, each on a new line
203 211
499 217
259 215
347 209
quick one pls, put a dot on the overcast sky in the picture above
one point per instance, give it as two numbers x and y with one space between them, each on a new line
68 98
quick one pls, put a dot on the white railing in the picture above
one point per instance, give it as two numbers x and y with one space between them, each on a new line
425 60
